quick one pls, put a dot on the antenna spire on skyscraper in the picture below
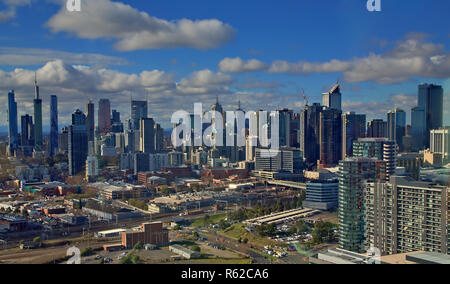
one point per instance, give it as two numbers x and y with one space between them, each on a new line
36 87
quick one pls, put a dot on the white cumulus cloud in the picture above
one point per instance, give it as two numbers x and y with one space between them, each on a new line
137 30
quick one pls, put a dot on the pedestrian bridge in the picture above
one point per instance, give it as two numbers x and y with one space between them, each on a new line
293 184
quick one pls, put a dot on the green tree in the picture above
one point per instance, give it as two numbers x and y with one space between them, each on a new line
131 259
223 224
138 246
267 230
195 248
205 219
322 231
300 227
87 252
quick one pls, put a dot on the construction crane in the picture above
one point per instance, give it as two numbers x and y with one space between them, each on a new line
305 98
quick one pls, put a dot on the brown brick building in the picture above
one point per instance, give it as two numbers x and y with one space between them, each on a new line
209 174
151 233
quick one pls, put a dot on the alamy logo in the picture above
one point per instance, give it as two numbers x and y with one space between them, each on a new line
374 5
73 5
74 254
212 129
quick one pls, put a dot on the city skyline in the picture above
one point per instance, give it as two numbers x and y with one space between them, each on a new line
234 132
237 63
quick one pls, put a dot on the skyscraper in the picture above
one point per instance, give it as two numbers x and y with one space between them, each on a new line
396 122
285 126
53 145
381 149
115 116
27 133
77 143
310 133
429 113
377 128
353 127
147 135
13 136
333 99
37 117
295 131
90 121
440 143
418 128
139 110
250 150
116 124
330 137
104 116
404 215
159 138
217 107
353 174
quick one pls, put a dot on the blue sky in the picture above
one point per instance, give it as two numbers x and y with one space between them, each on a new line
100 52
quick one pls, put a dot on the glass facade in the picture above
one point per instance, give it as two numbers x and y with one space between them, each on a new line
53 145
13 135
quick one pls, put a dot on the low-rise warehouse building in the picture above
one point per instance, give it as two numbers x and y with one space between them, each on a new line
110 233
278 218
184 252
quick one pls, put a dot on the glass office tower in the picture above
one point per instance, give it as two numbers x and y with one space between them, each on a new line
53 144
13 136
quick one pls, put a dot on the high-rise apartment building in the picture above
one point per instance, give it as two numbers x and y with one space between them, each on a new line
440 143
353 175
91 167
412 163
405 215
382 149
